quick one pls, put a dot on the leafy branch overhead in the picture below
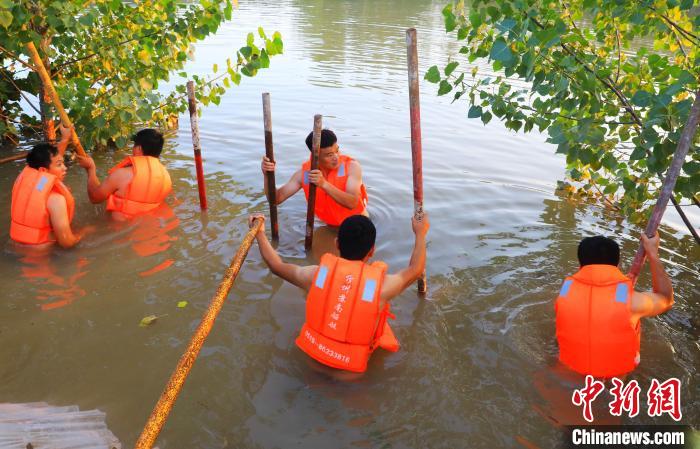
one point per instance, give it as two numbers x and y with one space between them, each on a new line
610 81
108 59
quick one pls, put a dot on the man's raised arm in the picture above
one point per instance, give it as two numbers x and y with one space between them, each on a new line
302 277
396 283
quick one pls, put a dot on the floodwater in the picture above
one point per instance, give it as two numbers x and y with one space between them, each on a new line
474 367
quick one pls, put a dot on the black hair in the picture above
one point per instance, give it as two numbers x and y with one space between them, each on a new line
356 237
40 155
150 141
598 250
328 138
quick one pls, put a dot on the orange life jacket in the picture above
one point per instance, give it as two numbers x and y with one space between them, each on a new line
326 208
30 217
149 186
594 330
344 323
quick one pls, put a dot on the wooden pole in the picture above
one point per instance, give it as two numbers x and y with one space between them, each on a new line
270 176
172 389
684 144
14 157
48 86
416 142
194 124
44 97
310 210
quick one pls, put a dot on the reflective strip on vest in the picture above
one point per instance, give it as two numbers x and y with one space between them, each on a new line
321 277
42 183
565 288
621 293
341 170
306 177
368 291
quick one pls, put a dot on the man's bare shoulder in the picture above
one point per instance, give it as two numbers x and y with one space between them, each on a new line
56 201
121 176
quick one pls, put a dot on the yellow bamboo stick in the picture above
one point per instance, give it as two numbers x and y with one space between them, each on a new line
172 389
48 86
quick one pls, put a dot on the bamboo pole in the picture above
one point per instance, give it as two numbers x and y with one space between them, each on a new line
48 86
172 389
270 176
684 144
311 208
416 141
194 124
44 97
14 157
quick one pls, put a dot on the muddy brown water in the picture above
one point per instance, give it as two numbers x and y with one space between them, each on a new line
472 359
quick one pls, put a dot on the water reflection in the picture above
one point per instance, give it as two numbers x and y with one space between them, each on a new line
500 244
53 282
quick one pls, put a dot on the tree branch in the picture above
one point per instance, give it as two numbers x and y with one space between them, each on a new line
20 91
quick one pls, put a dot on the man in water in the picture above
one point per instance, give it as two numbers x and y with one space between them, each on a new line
42 206
138 184
598 313
347 305
340 192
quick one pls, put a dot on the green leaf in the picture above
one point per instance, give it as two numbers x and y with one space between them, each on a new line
486 117
637 154
215 68
506 25
500 51
462 33
474 112
5 18
433 75
445 87
148 320
450 19
641 98
182 304
451 67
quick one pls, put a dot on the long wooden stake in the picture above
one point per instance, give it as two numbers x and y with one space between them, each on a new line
48 86
310 210
416 142
270 176
14 157
172 389
194 124
674 169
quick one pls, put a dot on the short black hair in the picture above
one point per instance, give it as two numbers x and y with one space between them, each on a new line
150 141
598 250
328 138
356 237
40 155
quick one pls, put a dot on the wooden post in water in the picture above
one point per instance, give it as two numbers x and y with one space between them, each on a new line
184 365
194 124
674 169
270 176
416 142
48 87
310 210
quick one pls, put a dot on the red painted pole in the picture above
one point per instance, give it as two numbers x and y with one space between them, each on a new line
674 169
315 148
194 124
270 176
416 142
